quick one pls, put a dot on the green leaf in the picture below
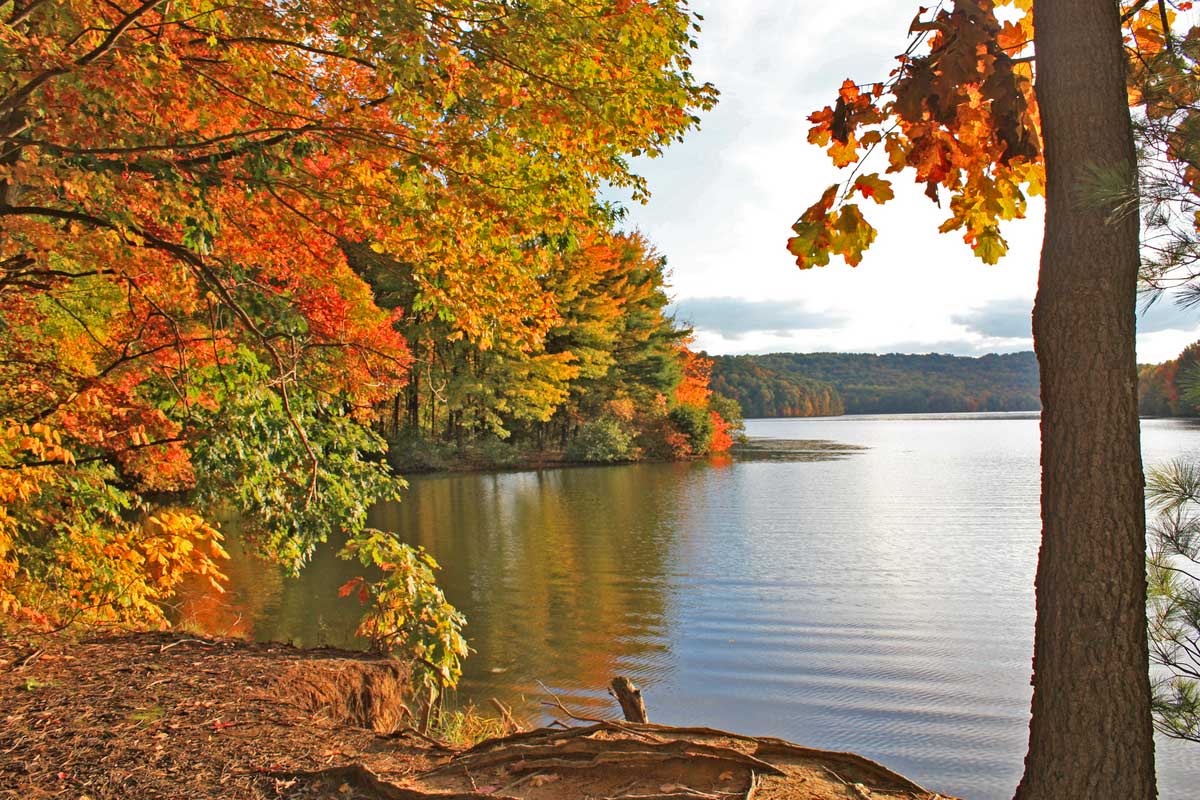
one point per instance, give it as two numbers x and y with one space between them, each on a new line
990 246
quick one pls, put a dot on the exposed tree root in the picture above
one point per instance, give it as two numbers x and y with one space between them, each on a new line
161 716
357 779
584 752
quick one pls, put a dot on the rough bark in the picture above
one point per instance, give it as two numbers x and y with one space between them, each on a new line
1090 733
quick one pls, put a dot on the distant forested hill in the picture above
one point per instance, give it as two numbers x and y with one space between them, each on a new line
1171 389
766 392
817 384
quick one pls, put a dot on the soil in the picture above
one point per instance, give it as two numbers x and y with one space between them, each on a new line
159 715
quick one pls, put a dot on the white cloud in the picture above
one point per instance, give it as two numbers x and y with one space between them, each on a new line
1154 348
732 318
724 200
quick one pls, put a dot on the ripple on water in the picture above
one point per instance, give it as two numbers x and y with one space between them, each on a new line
878 600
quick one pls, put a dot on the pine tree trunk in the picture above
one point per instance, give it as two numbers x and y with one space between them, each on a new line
1090 735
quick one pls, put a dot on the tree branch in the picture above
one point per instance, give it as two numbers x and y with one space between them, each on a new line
14 100
1133 10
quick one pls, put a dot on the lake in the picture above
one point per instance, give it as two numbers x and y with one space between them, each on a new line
871 591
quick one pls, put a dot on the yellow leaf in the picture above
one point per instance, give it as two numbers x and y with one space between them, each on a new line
990 246
844 153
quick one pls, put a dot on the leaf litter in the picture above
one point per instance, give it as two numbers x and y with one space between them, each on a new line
233 719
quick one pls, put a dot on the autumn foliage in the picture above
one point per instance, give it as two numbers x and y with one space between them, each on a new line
959 112
188 196
595 376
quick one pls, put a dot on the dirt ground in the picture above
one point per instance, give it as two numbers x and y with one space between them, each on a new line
164 716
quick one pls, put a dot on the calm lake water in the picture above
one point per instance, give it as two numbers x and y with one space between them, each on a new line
878 600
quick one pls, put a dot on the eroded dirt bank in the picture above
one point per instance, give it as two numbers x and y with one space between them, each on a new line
165 716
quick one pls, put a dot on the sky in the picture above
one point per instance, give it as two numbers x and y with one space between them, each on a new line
724 201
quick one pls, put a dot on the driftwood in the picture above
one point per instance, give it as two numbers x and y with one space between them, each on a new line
563 763
630 698
665 763
559 734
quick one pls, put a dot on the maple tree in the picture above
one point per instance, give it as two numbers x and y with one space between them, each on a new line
962 112
959 111
180 184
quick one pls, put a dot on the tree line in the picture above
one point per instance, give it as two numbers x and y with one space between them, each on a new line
828 384
764 391
1172 388
821 384
603 374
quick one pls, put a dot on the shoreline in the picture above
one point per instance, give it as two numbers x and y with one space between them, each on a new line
166 715
536 463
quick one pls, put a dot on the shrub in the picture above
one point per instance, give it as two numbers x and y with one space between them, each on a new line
730 411
492 452
603 440
696 424
410 452
406 610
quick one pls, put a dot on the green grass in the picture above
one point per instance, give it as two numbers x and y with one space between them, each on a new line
467 726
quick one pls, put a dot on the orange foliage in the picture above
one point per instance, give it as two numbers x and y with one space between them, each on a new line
960 112
180 184
721 439
693 389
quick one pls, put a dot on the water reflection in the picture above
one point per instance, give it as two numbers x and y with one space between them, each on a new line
251 599
561 573
877 599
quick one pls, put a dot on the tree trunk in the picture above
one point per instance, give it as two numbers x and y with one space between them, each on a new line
1090 735
414 398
